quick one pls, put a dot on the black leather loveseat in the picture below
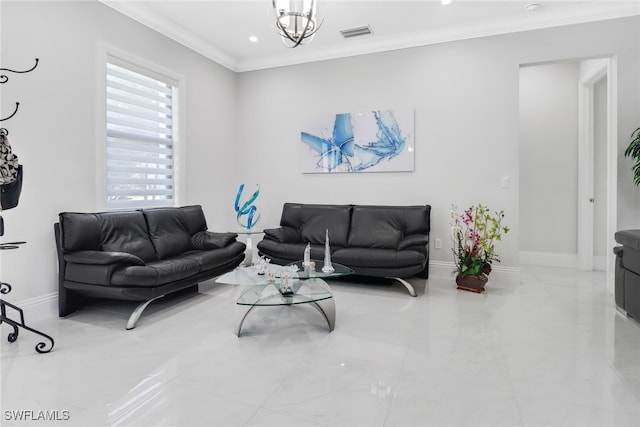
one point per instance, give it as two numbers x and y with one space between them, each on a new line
627 273
375 241
138 255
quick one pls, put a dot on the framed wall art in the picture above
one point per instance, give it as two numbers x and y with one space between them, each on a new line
372 141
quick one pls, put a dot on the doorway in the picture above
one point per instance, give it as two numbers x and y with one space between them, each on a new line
568 163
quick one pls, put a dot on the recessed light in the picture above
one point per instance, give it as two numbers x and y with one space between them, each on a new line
253 39
445 2
532 7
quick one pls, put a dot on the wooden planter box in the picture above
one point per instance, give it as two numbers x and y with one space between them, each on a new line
473 283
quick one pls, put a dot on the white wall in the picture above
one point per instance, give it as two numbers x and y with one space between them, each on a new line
466 100
549 159
465 130
54 133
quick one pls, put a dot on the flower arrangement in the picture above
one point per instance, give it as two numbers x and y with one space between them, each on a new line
474 234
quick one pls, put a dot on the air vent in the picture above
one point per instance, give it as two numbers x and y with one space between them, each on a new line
355 32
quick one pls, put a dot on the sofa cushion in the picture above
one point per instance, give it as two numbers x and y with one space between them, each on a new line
168 231
79 232
283 234
94 274
287 251
631 259
376 227
126 232
417 219
102 258
156 272
379 258
630 241
414 241
194 219
216 258
385 227
204 240
314 220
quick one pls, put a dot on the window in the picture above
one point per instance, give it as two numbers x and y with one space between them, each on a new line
140 137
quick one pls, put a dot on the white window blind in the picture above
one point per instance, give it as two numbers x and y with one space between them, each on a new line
140 140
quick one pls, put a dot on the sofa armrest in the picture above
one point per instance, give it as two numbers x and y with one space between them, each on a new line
630 238
102 258
283 235
204 240
413 240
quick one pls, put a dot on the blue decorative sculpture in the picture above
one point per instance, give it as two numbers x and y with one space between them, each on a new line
248 209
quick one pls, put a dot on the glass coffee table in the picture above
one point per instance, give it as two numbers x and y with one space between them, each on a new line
286 285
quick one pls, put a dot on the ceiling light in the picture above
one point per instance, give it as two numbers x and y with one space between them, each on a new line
296 20
445 2
253 38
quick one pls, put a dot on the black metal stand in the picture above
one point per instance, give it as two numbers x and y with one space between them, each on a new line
5 288
3 79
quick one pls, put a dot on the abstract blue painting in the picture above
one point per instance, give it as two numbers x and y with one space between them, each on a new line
373 141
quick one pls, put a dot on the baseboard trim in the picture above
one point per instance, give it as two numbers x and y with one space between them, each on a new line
548 259
439 269
37 308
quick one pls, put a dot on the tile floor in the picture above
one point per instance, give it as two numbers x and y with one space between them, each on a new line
548 351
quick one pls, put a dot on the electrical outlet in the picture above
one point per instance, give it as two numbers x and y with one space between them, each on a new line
437 243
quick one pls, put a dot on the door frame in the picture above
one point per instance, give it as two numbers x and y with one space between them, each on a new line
585 163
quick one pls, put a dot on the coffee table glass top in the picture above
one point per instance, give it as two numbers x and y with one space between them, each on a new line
305 285
249 275
317 273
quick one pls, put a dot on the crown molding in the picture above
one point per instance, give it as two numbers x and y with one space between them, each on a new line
527 22
425 38
177 33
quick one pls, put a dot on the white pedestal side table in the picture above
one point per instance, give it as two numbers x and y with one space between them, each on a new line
249 253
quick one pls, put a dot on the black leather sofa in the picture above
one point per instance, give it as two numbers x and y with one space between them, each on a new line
138 255
627 273
375 241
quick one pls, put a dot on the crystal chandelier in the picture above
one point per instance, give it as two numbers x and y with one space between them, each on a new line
296 20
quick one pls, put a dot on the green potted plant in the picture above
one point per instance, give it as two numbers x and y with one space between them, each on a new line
633 151
475 232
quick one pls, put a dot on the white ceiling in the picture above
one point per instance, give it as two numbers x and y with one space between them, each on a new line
220 29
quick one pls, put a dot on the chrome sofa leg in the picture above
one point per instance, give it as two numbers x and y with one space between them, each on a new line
135 315
406 284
